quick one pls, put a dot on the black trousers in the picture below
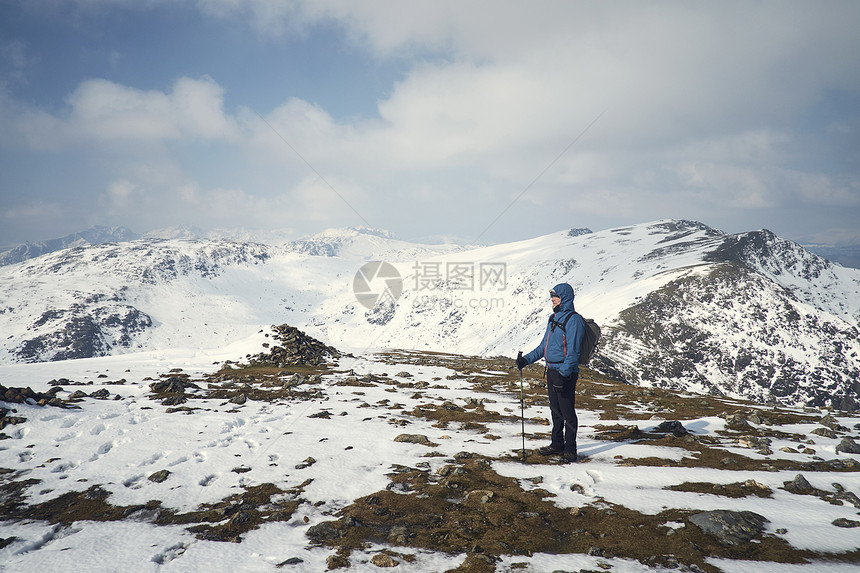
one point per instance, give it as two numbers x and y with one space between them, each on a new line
562 400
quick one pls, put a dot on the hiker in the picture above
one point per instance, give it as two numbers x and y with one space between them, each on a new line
560 348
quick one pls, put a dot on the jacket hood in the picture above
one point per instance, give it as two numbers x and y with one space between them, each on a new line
565 292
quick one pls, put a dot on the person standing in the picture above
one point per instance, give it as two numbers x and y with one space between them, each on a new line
560 348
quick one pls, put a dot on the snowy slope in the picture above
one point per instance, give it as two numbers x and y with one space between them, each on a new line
682 305
126 483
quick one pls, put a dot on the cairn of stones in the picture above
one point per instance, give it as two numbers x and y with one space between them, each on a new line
295 347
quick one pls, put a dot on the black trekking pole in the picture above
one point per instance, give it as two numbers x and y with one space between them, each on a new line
522 408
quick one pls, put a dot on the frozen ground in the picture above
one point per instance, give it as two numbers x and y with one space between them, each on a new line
216 449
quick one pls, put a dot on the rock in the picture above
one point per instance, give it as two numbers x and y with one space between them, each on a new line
337 562
398 535
842 522
479 496
832 423
849 446
240 399
730 527
737 422
383 560
174 400
291 561
172 385
309 461
101 394
798 485
843 495
159 476
673 427
415 439
322 532
620 433
77 395
23 396
824 433
296 347
754 443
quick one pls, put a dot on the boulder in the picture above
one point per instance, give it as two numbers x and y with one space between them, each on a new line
730 528
673 427
849 446
799 485
415 439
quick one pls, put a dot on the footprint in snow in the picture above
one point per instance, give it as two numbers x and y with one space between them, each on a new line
70 436
133 482
207 480
230 426
595 476
103 449
64 467
169 554
136 419
19 434
98 429
154 458
178 461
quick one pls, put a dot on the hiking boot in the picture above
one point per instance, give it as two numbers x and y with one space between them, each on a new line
569 458
549 451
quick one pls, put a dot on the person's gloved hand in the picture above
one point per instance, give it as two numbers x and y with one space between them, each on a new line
521 362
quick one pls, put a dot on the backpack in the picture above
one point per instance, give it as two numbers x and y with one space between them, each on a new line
589 339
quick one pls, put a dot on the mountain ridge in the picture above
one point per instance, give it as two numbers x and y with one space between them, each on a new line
95 235
788 318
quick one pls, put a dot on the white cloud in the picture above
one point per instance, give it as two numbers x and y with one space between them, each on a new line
120 191
101 111
702 110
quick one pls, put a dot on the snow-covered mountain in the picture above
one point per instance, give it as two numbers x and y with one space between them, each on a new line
93 236
681 305
237 234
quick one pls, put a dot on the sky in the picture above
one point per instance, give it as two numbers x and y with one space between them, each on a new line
480 122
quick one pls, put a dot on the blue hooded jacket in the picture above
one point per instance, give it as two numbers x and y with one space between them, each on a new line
560 347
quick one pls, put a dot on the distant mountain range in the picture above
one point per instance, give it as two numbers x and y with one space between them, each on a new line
93 236
845 255
682 305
